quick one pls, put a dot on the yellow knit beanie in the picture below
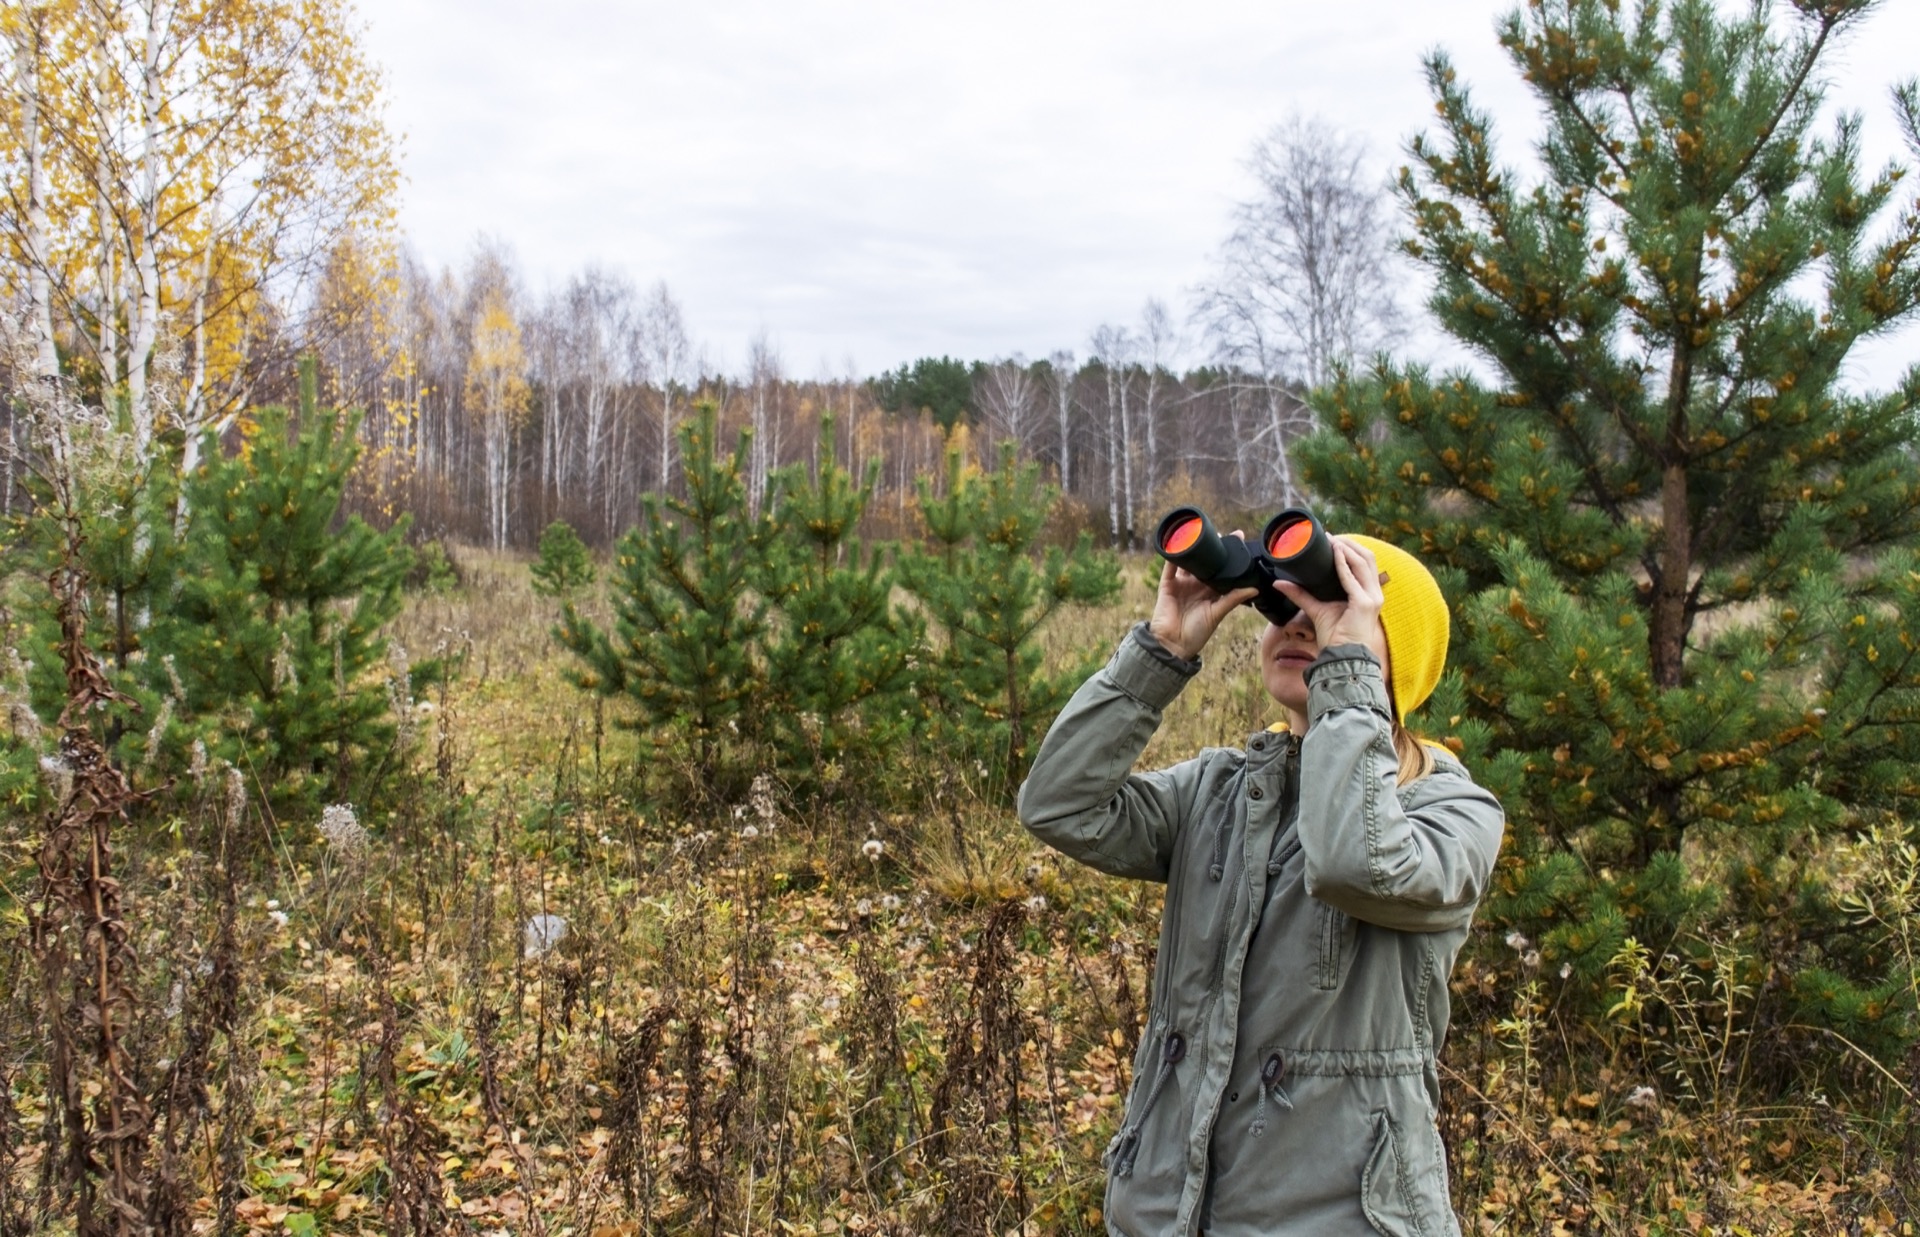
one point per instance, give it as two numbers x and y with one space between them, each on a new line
1417 625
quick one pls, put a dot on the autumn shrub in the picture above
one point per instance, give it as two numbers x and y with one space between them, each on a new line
434 568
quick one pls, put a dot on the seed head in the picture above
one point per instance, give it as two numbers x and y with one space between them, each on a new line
236 795
342 830
760 796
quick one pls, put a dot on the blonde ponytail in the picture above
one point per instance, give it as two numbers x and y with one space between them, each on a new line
1416 759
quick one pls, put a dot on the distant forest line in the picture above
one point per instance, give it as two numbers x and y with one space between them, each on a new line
501 418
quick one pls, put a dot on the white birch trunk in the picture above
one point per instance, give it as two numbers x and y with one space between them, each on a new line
548 421
596 424
496 475
146 321
1063 407
757 455
1113 459
193 407
46 358
666 434
1277 422
1129 506
1150 415
764 367
108 272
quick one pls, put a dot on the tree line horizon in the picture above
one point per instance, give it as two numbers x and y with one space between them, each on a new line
1120 437
492 412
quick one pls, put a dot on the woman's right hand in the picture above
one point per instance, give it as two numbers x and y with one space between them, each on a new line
1186 612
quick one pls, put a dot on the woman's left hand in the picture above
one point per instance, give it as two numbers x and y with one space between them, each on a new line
1356 620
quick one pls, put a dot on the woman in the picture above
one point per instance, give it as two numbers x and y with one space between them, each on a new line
1319 885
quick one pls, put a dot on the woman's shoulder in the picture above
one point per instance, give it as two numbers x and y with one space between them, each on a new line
1448 778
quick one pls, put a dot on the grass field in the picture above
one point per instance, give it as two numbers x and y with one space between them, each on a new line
758 1020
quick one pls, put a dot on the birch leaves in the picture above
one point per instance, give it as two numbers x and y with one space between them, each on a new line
167 163
497 396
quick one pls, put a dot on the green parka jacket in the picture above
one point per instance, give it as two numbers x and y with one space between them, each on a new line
1286 1081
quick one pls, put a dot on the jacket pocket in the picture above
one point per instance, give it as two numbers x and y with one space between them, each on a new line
1125 1147
1333 935
1387 1191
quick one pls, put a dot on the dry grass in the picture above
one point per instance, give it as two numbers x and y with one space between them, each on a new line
785 1033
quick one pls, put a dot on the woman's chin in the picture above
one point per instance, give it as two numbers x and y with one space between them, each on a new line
1287 684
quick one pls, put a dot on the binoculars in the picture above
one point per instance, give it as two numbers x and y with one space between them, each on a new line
1294 547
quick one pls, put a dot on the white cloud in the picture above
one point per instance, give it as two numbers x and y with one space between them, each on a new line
883 180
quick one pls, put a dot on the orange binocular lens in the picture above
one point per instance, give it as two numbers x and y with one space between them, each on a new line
1290 540
1181 537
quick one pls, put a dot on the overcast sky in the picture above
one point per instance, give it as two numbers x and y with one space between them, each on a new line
869 180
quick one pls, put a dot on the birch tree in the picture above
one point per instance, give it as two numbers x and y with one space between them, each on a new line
763 394
175 169
1011 404
362 328
1304 281
29 32
496 394
1113 349
598 340
667 356
1158 340
1061 372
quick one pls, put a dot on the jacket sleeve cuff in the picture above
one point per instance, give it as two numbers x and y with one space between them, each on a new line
1145 669
1346 676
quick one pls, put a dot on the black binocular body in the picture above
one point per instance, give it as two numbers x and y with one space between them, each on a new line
1294 547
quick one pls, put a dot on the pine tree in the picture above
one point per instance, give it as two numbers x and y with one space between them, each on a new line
564 566
840 657
277 631
982 578
236 616
687 613
102 519
130 551
1688 653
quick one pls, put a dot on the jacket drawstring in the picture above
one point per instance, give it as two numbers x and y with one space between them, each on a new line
1173 1050
1280 861
1271 1073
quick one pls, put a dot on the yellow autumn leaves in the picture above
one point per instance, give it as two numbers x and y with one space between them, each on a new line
173 168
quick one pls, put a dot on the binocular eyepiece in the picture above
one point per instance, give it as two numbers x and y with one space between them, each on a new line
1294 547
